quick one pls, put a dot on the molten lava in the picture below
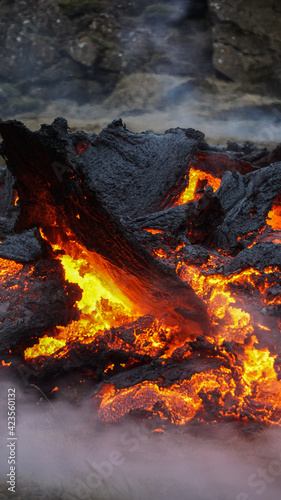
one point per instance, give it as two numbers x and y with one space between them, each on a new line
197 181
244 384
8 269
274 216
102 304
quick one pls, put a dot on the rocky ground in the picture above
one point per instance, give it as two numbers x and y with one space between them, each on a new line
84 50
80 50
158 64
246 38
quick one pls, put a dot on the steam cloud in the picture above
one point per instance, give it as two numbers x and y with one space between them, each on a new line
63 453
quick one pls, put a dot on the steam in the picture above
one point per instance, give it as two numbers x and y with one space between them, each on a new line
62 452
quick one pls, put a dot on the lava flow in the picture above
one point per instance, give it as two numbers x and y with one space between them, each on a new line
245 386
102 304
164 275
197 181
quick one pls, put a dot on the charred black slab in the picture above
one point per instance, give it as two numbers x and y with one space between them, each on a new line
136 174
246 201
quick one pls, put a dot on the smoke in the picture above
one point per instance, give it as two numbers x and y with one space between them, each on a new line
62 452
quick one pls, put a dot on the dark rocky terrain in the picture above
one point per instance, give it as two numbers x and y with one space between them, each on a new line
246 37
81 50
114 52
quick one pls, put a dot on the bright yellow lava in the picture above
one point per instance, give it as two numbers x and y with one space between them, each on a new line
102 304
94 290
259 371
274 218
189 194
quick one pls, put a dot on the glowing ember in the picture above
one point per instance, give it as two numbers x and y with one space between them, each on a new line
274 218
109 367
181 402
8 269
264 327
5 364
177 404
153 231
79 148
16 198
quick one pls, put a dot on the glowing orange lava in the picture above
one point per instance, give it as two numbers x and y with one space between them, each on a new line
197 180
244 382
102 305
5 364
8 269
153 231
